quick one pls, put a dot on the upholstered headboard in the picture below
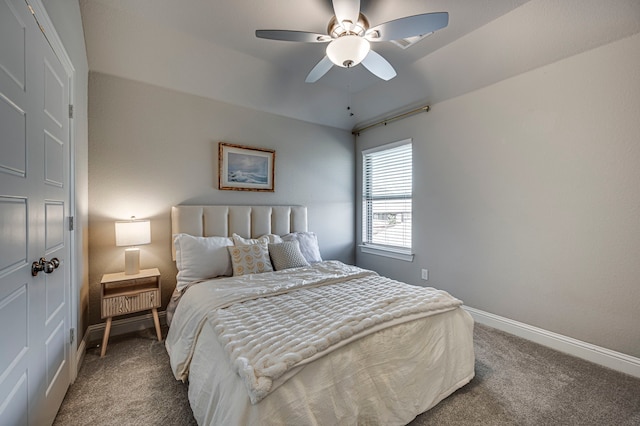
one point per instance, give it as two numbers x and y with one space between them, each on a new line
246 221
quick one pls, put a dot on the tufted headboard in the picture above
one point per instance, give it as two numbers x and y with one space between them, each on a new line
246 221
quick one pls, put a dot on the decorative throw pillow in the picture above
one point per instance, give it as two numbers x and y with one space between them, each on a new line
308 245
286 255
266 239
199 258
250 259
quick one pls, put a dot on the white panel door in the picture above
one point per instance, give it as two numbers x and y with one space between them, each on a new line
34 202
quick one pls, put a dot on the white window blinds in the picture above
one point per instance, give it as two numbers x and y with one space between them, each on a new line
386 195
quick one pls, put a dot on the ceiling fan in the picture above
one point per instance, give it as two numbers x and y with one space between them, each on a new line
349 36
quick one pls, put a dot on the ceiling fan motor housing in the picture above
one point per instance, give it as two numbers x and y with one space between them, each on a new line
336 29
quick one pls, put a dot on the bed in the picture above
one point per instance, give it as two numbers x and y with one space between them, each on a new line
320 343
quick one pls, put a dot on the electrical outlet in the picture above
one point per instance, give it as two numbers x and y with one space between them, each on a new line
425 274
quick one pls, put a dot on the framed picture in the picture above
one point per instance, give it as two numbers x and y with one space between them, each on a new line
243 168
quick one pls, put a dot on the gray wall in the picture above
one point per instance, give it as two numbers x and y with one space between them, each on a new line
151 148
65 16
527 197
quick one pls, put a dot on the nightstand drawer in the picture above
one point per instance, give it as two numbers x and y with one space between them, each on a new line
125 304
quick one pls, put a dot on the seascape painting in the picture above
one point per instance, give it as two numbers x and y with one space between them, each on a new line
243 168
247 168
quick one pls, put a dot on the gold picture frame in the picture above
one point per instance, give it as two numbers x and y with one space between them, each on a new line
245 168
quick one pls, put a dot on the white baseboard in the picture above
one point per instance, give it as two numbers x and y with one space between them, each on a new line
596 354
123 326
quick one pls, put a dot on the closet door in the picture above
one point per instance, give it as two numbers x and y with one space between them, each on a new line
34 202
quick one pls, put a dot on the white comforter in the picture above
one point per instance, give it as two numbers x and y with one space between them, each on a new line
321 308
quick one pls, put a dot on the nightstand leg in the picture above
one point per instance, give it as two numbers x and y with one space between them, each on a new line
105 339
156 321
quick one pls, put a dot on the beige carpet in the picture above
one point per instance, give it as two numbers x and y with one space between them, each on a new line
517 383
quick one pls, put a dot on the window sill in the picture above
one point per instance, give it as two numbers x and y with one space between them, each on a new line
387 252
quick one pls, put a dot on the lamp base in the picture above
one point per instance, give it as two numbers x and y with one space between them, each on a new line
132 261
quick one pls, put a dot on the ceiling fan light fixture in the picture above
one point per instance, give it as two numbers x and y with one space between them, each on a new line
348 51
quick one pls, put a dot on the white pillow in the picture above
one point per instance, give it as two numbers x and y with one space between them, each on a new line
199 258
250 259
265 239
308 245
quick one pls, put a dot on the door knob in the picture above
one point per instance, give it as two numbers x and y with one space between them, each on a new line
48 266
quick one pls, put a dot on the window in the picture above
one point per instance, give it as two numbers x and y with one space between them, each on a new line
386 198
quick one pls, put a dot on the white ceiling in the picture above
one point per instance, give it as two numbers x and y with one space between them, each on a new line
209 48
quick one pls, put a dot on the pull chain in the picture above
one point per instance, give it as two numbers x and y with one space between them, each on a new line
349 109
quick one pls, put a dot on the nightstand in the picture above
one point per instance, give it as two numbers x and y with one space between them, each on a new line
124 294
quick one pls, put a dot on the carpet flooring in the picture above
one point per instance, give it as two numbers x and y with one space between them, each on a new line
517 382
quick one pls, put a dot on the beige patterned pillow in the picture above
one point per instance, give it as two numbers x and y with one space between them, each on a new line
286 255
266 238
250 259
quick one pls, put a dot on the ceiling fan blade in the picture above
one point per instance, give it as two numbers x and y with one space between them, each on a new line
346 10
409 26
378 66
319 70
287 35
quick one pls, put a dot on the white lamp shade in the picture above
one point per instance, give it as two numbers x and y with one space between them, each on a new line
348 51
133 233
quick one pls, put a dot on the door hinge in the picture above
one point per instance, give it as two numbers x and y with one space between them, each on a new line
71 223
72 336
70 111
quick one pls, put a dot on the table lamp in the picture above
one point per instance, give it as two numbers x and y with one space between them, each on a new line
132 233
